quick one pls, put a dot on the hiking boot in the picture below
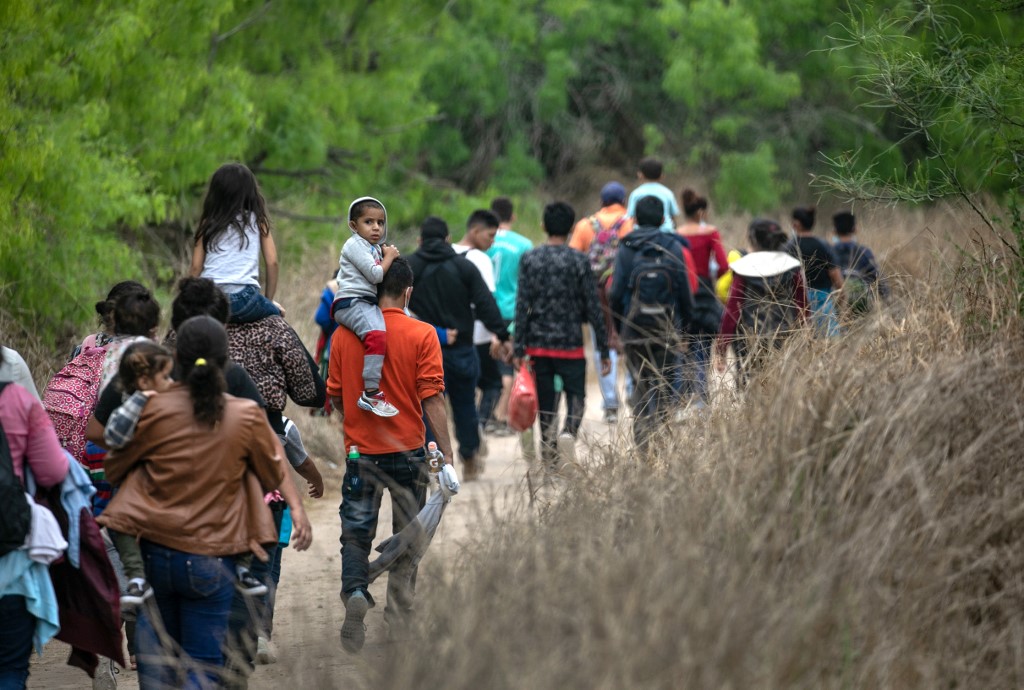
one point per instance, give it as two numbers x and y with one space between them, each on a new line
264 652
611 416
105 672
248 584
377 404
353 632
566 445
137 591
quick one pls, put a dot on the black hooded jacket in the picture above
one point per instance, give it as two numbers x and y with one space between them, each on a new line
450 293
625 259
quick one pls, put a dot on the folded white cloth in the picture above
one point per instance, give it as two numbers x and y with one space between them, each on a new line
448 481
44 542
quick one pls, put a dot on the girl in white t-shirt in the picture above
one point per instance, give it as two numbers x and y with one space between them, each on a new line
233 231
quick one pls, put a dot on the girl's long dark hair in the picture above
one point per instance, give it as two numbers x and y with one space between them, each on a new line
232 198
202 351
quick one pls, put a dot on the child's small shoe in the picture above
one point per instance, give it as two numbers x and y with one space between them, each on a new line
248 585
377 404
137 591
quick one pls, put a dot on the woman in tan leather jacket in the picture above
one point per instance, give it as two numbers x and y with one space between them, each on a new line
192 483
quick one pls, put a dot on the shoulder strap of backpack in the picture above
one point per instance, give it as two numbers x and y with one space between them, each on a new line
6 467
617 225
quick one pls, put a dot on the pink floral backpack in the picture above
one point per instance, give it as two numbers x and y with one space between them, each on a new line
70 397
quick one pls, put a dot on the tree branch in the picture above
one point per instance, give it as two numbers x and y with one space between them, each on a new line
217 39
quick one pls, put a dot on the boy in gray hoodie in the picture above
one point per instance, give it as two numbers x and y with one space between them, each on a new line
364 261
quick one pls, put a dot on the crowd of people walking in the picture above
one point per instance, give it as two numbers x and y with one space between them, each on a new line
156 472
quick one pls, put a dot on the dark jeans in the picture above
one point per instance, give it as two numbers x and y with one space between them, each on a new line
15 642
461 371
574 385
252 617
696 366
193 596
653 368
250 305
404 475
489 383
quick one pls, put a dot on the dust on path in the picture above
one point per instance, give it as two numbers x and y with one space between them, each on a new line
309 613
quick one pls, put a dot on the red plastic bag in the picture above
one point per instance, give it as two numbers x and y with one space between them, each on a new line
522 404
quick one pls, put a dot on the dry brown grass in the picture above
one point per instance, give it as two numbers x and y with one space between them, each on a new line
855 522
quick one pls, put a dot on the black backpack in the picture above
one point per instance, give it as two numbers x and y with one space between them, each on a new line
768 312
652 303
15 513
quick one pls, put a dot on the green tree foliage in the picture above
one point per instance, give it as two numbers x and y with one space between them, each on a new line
952 80
114 115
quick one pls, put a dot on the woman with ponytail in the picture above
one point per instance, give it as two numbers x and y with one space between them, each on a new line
767 300
708 253
191 490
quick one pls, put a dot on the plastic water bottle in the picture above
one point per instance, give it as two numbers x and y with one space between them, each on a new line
435 458
355 482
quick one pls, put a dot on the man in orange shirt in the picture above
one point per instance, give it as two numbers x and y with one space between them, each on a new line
390 449
598 237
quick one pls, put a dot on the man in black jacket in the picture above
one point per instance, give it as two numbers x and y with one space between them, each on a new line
557 294
651 353
450 293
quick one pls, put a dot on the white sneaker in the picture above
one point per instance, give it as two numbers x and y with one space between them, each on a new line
377 404
566 445
265 652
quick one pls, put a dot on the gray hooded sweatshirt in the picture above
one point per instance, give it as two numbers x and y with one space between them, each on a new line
359 267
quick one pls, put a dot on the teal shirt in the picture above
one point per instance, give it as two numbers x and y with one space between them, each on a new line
508 248
667 198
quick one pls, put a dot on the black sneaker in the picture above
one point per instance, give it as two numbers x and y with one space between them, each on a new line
353 632
136 593
248 585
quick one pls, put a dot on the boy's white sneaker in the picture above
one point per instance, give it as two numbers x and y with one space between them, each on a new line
566 445
377 404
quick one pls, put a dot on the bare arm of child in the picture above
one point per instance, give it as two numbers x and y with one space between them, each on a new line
269 250
198 259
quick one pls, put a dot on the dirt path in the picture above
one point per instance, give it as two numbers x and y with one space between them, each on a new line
309 614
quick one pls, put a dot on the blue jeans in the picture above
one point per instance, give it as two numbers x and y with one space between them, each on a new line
696 367
404 475
193 596
609 389
250 305
253 617
823 313
15 642
461 372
